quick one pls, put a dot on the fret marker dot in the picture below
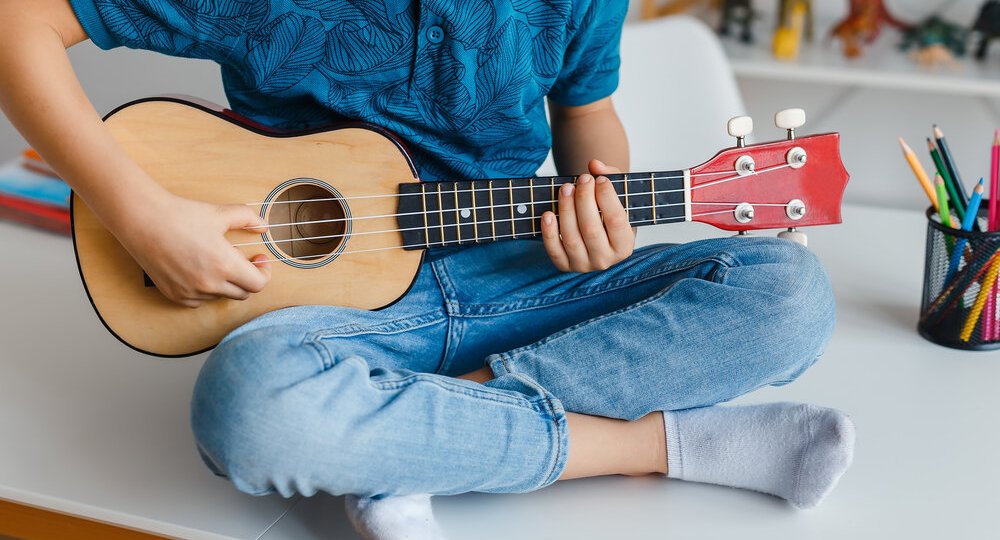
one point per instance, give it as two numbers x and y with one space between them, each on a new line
521 209
466 213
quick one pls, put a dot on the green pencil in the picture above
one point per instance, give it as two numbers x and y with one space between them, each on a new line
956 177
948 181
942 201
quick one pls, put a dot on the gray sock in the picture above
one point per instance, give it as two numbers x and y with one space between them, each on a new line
796 451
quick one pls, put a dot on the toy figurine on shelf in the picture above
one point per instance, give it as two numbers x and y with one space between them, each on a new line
987 25
936 41
795 17
786 15
863 25
739 12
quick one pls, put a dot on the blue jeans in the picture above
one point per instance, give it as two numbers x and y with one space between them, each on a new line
364 402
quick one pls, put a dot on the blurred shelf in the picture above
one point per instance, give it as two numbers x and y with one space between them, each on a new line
882 65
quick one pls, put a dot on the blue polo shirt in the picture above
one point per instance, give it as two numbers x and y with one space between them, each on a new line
463 82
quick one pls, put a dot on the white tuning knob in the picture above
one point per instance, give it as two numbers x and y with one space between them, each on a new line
740 127
790 120
795 235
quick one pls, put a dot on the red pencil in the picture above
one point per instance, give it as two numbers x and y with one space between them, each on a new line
991 322
993 217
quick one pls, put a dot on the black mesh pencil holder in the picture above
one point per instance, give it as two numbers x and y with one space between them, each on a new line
961 296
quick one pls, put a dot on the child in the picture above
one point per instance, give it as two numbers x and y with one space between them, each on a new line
508 365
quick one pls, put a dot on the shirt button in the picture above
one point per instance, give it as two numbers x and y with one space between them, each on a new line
435 34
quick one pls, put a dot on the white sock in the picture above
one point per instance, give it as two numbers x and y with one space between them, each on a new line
406 517
796 451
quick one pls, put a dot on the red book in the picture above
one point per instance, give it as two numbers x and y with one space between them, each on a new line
35 214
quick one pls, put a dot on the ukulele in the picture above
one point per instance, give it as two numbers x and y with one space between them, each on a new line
349 220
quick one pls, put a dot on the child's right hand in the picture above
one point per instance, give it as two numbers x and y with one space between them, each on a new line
180 243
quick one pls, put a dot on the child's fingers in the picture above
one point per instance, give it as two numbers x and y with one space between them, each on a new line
553 246
616 224
250 277
572 242
598 167
595 237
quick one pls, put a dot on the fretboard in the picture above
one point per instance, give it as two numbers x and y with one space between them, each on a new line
436 214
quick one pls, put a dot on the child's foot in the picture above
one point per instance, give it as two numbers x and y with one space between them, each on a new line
406 517
795 451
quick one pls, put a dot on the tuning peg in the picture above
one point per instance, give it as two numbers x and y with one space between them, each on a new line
795 235
790 120
740 127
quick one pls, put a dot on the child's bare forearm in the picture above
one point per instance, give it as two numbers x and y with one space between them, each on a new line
580 134
42 97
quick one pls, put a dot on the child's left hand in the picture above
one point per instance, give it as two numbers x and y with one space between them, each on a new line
580 241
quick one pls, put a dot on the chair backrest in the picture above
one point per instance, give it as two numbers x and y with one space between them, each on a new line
676 93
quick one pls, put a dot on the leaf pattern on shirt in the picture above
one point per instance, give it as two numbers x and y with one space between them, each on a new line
284 52
469 105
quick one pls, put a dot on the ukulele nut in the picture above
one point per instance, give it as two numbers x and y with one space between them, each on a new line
744 213
795 209
745 166
796 157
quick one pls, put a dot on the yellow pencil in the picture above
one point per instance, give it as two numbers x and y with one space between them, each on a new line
984 292
918 170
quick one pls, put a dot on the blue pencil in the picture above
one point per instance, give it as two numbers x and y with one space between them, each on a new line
970 218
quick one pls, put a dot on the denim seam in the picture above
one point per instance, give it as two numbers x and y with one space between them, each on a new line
587 292
395 326
395 384
567 331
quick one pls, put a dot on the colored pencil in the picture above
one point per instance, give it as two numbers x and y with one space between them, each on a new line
980 303
970 217
993 216
949 162
948 184
919 172
942 198
992 326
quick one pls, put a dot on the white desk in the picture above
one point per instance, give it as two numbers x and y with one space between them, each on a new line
91 428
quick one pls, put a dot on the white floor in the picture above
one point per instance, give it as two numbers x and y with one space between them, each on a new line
94 429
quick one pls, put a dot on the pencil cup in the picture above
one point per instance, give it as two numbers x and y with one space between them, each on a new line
961 297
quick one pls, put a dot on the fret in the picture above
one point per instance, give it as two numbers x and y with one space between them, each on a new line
475 219
531 204
458 218
493 221
628 207
652 194
441 214
423 200
503 218
552 182
510 192
521 197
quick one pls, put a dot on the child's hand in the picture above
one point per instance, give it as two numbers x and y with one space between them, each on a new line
580 241
180 243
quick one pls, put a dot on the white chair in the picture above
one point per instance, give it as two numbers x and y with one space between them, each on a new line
675 94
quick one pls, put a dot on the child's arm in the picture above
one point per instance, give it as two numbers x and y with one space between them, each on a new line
588 138
178 242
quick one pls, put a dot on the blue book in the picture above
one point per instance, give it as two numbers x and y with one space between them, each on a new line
17 181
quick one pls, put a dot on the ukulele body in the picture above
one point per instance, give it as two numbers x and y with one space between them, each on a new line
203 154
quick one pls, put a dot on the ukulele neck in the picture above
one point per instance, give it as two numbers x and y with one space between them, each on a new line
438 214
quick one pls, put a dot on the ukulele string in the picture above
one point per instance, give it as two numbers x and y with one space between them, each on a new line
370 250
548 201
441 226
638 176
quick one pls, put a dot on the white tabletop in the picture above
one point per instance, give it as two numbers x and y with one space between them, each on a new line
92 428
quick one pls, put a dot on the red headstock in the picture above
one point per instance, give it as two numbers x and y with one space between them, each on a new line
774 188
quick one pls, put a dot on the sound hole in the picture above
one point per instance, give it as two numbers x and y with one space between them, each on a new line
306 223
